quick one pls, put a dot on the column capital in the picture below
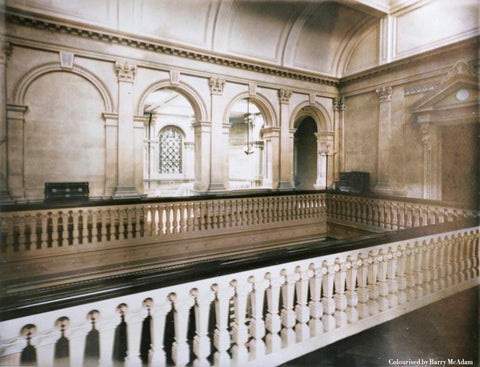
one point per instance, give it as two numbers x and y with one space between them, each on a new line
384 94
216 85
284 96
125 71
202 124
338 103
5 51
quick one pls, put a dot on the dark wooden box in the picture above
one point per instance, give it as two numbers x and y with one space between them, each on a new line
354 181
66 190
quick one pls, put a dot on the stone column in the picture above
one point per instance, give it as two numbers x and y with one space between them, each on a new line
384 139
4 193
111 154
126 131
203 137
271 136
16 150
218 172
286 141
339 141
324 159
432 179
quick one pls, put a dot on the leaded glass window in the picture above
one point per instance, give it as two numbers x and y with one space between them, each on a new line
170 151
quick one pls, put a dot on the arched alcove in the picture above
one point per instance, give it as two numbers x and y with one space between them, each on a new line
169 149
305 154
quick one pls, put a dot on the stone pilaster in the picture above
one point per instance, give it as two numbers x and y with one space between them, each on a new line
126 131
16 150
4 193
203 138
325 141
286 141
384 139
219 142
339 141
271 136
432 182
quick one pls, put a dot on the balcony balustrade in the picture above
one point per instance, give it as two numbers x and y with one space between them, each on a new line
265 316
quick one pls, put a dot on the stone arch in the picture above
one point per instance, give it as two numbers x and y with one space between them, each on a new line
192 96
261 102
316 111
35 73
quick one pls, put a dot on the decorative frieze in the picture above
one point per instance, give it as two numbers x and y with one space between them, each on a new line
284 95
216 85
421 88
125 71
339 103
384 94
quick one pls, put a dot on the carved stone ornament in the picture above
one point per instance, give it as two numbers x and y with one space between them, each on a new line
252 89
421 88
174 76
284 95
125 71
216 85
384 94
460 68
66 59
426 137
339 103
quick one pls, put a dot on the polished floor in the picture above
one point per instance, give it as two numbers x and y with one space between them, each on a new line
447 330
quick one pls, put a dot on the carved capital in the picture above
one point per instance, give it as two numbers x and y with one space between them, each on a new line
384 94
216 85
125 71
284 96
5 52
339 103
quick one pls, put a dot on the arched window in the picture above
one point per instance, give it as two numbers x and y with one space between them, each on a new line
170 141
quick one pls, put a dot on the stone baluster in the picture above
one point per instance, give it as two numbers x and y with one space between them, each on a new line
94 227
351 294
381 214
121 229
457 246
76 344
21 238
401 216
166 211
221 338
449 251
240 329
130 214
54 218
434 252
383 303
328 301
373 287
134 333
316 307
150 221
476 253
139 231
392 260
257 325
44 234
408 216
106 329
75 231
302 310
340 297
180 347
426 270
362 291
65 239
416 213
402 279
442 266
469 271
273 321
183 212
33 231
410 272
103 228
201 341
465 245
287 313
84 237
157 355
190 215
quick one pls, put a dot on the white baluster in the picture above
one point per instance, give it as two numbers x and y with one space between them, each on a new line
340 297
427 273
273 321
328 301
106 330
302 311
221 336
76 337
402 279
45 347
180 347
287 313
201 341
134 322
418 270
410 272
352 297
362 291
257 325
392 258
316 307
383 303
240 329
157 357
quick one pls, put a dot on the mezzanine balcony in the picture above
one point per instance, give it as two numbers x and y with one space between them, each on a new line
221 281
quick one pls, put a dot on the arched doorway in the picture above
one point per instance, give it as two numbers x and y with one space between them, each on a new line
246 160
305 154
169 144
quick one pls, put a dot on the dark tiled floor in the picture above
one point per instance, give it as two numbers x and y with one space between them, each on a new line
445 329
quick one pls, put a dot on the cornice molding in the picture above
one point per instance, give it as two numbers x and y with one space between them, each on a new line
100 34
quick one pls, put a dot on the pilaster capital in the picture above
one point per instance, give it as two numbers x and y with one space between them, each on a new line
284 96
5 52
384 94
270 132
216 85
338 103
15 111
125 71
202 125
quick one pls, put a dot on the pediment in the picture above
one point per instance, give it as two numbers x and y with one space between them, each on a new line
455 99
